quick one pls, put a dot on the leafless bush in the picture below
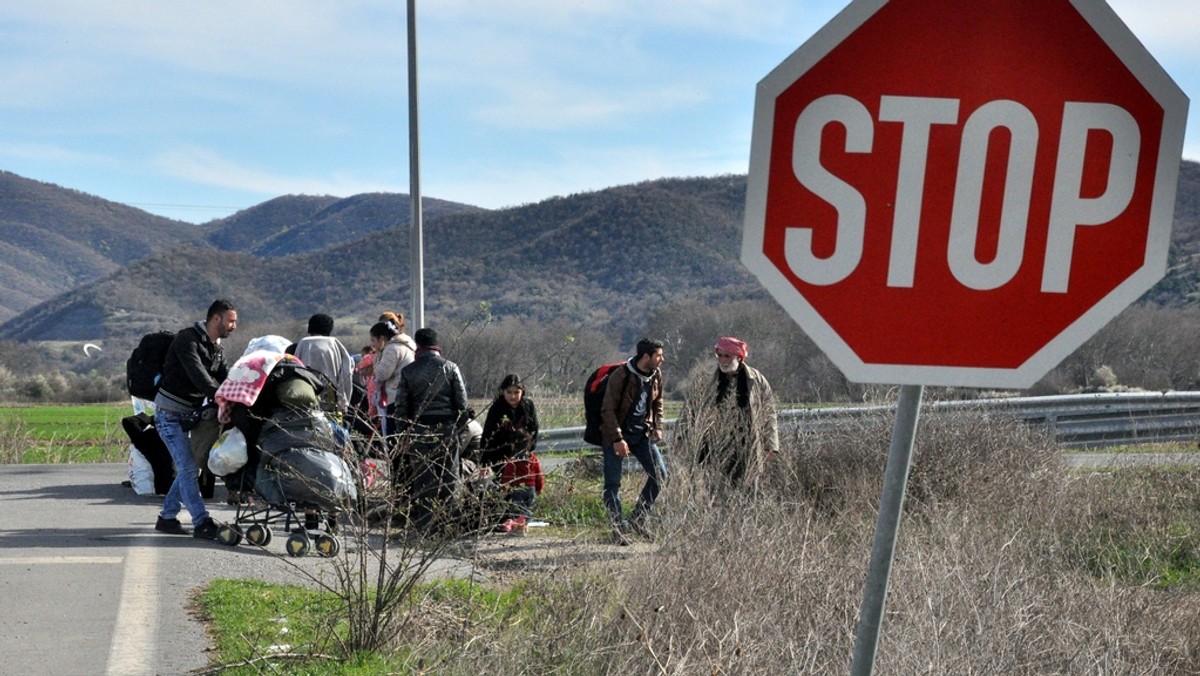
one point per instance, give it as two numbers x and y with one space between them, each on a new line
554 357
1000 568
984 580
14 440
1144 347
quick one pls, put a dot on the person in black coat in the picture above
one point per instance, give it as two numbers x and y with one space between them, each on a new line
509 437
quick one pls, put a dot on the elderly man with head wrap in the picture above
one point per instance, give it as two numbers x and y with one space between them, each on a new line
729 419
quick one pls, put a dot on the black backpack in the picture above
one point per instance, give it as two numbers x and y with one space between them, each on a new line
593 401
144 368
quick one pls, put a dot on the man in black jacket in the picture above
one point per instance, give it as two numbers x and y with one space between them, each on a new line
430 402
194 369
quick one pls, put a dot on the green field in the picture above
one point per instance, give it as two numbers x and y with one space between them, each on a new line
62 433
66 433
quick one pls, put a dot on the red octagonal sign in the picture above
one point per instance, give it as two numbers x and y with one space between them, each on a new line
961 193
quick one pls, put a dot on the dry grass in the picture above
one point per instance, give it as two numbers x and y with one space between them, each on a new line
15 440
998 570
1007 563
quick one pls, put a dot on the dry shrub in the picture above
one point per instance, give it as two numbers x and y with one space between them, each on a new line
772 582
1139 524
15 440
957 454
559 638
982 591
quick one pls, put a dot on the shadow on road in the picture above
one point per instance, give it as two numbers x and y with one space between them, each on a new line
114 494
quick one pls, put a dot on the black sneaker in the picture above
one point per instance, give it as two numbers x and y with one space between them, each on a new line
206 530
170 526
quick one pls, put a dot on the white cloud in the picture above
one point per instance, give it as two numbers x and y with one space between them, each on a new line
496 184
54 154
1171 25
521 99
548 107
727 18
275 40
206 167
39 84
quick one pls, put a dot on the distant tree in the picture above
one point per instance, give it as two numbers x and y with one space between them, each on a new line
797 369
1146 347
553 357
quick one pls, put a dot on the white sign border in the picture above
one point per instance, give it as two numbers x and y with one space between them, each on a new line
1135 57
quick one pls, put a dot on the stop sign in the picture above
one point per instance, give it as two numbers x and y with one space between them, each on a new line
961 193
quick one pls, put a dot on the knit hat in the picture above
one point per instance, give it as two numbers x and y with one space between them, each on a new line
426 337
320 325
731 345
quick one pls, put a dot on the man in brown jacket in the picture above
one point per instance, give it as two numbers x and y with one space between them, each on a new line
631 424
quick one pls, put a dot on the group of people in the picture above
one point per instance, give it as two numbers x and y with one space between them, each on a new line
410 389
413 395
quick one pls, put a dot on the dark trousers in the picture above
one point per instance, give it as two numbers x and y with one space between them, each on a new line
432 465
651 459
520 501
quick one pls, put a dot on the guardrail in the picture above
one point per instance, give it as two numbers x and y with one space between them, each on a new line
1076 420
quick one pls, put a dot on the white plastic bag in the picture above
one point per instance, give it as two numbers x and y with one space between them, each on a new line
229 455
141 473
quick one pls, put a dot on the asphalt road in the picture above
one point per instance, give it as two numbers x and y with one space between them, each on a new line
88 587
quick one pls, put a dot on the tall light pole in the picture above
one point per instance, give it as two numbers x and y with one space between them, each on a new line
416 227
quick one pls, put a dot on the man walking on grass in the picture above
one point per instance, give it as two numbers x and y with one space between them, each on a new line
728 422
631 424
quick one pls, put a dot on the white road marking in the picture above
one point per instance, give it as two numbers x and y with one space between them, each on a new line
136 633
51 560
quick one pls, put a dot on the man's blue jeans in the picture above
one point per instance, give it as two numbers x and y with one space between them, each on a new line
656 473
185 490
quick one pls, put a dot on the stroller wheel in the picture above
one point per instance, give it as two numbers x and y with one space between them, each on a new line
297 544
326 545
229 534
258 535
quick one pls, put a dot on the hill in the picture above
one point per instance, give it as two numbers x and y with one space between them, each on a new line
54 239
1181 286
604 259
301 223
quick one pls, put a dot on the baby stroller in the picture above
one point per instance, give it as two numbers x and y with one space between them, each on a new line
295 477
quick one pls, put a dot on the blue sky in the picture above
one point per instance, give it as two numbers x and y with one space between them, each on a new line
195 109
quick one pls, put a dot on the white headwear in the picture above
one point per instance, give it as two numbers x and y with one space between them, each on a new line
271 343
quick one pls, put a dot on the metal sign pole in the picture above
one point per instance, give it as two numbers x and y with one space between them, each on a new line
891 505
416 243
